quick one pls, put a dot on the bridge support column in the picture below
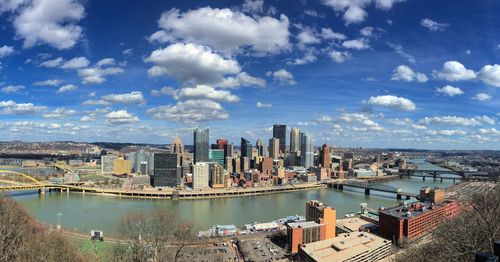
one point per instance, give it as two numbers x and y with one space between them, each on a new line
441 180
434 175
41 191
423 178
367 191
407 197
67 190
341 187
398 196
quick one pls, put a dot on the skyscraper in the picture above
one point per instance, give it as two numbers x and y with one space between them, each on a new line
167 170
306 150
201 145
200 175
294 140
279 132
274 148
221 142
324 156
261 148
246 148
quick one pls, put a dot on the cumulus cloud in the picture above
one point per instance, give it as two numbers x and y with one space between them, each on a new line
489 131
52 22
454 71
339 56
52 63
95 75
354 10
6 50
433 25
309 57
191 63
282 76
190 111
490 75
49 82
361 119
394 102
405 73
450 90
398 49
307 37
482 97
75 63
242 79
11 89
458 121
329 34
224 30
135 97
59 113
446 132
263 105
12 108
121 117
204 92
66 88
357 44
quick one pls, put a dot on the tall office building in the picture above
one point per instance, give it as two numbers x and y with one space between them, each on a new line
261 148
167 170
200 175
246 148
216 176
221 142
274 148
324 156
217 156
306 150
294 140
279 132
228 150
107 164
201 145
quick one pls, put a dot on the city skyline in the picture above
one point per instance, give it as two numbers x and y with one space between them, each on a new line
379 74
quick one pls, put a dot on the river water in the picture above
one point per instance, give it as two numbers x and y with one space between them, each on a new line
86 212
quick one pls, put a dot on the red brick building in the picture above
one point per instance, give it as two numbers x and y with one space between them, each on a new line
410 222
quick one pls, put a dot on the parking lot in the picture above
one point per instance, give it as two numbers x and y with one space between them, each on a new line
261 249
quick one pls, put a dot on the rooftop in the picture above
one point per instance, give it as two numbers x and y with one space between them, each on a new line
305 224
413 210
343 246
353 224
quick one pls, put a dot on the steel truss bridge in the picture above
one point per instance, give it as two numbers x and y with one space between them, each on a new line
439 174
368 187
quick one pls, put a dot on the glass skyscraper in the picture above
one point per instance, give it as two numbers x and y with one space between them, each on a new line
279 132
306 150
201 145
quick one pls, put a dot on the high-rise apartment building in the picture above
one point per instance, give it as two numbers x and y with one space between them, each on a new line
306 150
201 145
274 148
216 176
201 175
294 140
324 156
279 132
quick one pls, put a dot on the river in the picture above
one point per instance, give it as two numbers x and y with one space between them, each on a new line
86 212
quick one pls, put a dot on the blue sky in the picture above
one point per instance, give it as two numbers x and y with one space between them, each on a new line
373 73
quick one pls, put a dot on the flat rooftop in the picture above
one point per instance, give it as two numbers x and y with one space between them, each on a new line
353 224
402 211
344 246
305 224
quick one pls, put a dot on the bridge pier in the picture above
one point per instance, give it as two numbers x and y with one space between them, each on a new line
367 191
434 175
408 197
398 196
423 178
341 187
441 180
41 191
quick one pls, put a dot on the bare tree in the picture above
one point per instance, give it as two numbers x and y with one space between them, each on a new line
159 236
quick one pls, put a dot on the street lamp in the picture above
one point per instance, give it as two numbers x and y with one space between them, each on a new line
59 221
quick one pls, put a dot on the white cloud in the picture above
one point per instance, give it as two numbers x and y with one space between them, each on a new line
490 74
75 63
446 132
163 91
253 6
191 63
398 49
405 73
459 121
52 63
67 88
204 92
354 10
433 25
489 131
339 56
358 44
367 31
450 90
361 119
263 105
307 37
121 117
10 5
12 89
391 101
190 111
6 50
49 21
308 58
12 108
106 62
98 102
242 79
60 113
329 34
482 97
95 75
128 51
135 97
49 82
225 30
454 71
282 76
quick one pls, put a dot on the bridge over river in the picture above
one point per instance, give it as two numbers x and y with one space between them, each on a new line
368 187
